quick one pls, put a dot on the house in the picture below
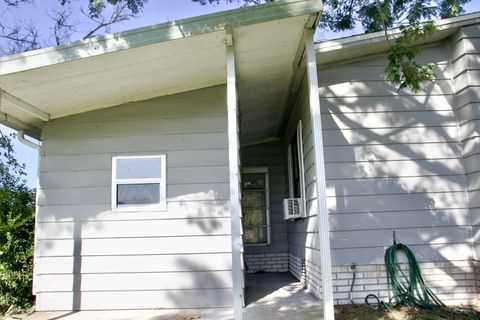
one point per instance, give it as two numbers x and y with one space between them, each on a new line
153 138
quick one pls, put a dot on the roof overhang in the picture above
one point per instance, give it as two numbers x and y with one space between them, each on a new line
350 48
159 60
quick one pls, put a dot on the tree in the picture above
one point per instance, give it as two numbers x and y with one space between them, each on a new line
21 35
413 17
17 207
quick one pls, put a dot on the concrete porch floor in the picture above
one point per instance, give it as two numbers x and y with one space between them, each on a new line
279 296
269 296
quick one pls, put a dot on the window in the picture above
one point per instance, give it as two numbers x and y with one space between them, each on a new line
138 183
256 205
296 171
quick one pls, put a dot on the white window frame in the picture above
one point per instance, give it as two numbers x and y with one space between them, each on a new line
301 166
161 206
265 171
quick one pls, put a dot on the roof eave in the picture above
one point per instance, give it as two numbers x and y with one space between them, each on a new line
157 33
357 41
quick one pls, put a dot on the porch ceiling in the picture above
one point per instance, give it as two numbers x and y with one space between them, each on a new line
265 56
160 60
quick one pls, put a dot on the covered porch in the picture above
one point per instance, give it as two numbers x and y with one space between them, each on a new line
266 57
274 130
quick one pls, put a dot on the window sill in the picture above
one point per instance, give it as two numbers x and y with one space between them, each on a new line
160 208
256 244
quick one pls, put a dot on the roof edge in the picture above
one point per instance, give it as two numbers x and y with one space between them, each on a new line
379 36
167 31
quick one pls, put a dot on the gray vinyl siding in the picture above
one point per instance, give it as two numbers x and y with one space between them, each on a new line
273 156
303 239
393 162
90 257
465 48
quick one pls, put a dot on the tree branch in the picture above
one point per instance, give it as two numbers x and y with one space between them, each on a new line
62 29
118 15
16 3
385 31
20 38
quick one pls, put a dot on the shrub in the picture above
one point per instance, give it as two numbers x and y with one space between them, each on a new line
17 220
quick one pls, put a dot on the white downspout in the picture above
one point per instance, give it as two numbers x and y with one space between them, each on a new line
28 143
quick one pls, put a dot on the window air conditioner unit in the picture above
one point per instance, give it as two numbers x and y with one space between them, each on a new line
293 208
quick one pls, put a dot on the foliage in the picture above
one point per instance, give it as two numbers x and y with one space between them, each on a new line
402 69
96 7
340 15
16 230
409 16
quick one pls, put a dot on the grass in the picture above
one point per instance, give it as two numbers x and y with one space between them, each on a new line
364 312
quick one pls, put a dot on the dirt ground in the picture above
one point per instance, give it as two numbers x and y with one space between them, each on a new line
363 312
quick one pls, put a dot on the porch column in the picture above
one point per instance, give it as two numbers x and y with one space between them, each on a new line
323 227
234 164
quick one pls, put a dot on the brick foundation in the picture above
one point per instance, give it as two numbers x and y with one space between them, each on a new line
267 262
476 265
453 282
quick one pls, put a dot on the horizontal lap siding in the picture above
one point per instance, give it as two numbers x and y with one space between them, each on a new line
393 162
302 241
465 46
89 257
149 299
135 264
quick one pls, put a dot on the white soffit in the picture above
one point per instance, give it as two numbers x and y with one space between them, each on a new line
124 76
265 55
148 62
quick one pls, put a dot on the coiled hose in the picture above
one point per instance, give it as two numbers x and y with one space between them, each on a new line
409 288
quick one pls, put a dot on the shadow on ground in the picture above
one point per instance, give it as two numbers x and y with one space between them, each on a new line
279 296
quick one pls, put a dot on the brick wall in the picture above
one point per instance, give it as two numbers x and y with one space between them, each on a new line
267 262
453 282
476 265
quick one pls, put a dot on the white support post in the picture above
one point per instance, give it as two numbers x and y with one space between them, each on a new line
233 156
323 227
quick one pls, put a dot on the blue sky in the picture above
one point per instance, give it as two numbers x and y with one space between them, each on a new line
156 11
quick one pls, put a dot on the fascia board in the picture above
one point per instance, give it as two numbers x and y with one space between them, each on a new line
377 37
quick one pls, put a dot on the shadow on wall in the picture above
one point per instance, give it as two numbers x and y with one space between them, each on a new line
182 255
393 162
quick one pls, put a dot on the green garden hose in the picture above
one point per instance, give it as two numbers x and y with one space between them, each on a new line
409 288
